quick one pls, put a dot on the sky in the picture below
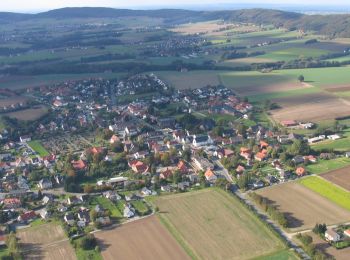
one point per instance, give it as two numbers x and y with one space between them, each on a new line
40 5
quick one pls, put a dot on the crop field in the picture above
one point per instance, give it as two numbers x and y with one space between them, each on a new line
45 242
30 114
340 177
211 224
303 207
328 190
319 106
143 239
8 101
324 166
191 79
21 82
39 148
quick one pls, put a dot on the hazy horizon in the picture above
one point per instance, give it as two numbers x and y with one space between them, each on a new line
44 5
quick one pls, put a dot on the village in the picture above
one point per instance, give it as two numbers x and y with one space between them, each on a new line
106 145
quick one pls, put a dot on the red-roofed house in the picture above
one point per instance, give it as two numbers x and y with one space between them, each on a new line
138 166
27 216
79 165
224 153
210 176
12 203
288 123
96 150
246 153
260 156
182 167
263 144
166 174
300 171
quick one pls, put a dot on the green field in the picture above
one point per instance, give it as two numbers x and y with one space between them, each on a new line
341 145
107 204
282 255
37 147
328 190
293 54
211 224
324 166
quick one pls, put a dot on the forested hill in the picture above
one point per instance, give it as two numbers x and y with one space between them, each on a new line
333 25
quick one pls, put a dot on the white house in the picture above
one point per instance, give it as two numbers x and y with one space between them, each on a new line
128 212
25 138
333 137
45 184
202 140
332 235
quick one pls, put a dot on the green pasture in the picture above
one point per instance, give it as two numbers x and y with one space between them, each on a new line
328 190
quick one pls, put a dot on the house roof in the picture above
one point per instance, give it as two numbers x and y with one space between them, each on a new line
209 174
79 165
28 215
300 171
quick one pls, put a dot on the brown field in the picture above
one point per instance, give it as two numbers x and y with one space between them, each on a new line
30 114
144 239
191 79
314 107
340 177
338 88
203 27
303 207
211 224
8 101
342 254
45 242
245 61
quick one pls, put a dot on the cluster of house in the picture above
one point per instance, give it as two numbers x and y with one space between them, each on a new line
333 235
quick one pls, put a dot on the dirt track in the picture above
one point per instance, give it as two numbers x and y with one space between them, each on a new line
146 239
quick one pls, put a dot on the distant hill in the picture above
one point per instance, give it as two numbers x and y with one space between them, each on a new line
332 25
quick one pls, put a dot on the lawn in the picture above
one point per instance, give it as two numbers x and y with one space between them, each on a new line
341 145
38 148
141 207
324 166
212 224
107 204
282 255
3 252
328 190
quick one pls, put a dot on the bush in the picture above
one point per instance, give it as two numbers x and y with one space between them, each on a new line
88 242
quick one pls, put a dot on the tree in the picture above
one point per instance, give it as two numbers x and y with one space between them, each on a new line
299 147
88 242
13 247
117 147
165 159
93 214
301 78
